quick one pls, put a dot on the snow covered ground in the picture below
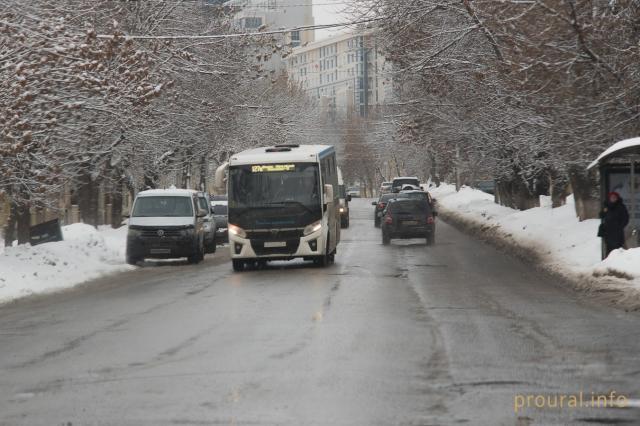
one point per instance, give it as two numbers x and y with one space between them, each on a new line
85 254
562 243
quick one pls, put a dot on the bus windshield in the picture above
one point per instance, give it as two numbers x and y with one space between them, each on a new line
274 195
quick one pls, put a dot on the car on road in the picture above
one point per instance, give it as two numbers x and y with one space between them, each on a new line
343 201
399 183
220 206
209 223
418 195
408 218
385 188
353 191
165 224
380 205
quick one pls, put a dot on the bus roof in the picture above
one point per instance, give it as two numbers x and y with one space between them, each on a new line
282 153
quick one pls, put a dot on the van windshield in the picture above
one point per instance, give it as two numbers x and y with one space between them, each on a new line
163 207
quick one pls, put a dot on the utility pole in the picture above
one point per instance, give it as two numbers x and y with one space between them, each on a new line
365 85
458 174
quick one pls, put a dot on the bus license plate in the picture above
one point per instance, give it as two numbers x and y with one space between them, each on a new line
273 244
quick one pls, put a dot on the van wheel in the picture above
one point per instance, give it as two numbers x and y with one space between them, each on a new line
324 260
238 265
198 256
344 222
212 247
431 239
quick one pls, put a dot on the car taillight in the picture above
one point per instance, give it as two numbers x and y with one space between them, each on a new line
381 206
388 219
430 220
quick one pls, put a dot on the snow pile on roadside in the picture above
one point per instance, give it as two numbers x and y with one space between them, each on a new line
563 243
86 253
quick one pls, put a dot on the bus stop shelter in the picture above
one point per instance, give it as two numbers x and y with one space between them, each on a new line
619 168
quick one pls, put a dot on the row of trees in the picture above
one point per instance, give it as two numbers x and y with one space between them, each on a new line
85 104
525 92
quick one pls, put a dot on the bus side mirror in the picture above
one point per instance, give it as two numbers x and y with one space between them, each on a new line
328 194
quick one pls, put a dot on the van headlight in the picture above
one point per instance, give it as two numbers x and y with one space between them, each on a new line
134 233
314 227
237 231
187 232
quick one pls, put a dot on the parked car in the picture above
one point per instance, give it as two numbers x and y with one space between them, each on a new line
385 188
380 205
209 223
408 218
166 223
399 183
220 206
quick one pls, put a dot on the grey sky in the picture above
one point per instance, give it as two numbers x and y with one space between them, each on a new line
328 12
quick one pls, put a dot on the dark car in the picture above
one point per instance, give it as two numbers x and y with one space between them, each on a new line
417 194
399 183
219 205
408 218
380 205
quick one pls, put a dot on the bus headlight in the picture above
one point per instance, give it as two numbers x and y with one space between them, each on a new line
237 231
314 227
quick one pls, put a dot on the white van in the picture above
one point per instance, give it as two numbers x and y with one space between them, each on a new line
167 223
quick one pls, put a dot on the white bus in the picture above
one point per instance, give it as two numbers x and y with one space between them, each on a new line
283 204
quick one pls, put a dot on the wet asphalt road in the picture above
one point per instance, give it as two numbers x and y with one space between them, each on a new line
398 335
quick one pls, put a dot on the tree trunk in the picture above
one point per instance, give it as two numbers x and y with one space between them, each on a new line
585 193
203 174
116 206
23 222
10 228
88 193
515 194
558 184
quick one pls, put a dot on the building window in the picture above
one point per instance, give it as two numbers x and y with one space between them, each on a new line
252 22
295 38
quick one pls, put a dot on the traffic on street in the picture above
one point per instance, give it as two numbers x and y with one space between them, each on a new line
399 334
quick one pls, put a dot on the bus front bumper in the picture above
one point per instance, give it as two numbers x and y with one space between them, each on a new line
307 247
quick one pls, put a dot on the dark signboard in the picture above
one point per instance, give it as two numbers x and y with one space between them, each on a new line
45 232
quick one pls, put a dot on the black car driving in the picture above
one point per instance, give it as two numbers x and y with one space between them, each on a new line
380 205
408 218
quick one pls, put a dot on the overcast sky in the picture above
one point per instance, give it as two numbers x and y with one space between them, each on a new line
328 12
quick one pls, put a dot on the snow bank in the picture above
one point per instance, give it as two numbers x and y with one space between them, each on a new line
85 254
562 243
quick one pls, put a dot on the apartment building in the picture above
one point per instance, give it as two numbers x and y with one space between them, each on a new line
252 15
345 73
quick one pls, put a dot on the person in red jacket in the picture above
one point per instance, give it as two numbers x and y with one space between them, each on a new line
615 218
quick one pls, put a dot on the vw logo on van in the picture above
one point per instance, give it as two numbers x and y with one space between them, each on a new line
161 233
